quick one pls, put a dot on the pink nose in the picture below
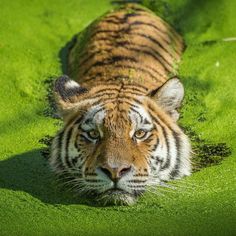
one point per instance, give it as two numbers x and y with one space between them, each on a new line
115 173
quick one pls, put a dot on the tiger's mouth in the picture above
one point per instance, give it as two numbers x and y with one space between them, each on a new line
117 196
112 191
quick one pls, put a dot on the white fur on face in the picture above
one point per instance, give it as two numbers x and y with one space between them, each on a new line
93 118
140 119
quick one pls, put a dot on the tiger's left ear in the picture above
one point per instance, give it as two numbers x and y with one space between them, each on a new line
67 93
169 96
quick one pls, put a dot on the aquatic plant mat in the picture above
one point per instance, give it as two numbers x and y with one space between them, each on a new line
32 35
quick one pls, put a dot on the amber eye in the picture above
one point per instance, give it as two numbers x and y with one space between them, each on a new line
139 134
93 134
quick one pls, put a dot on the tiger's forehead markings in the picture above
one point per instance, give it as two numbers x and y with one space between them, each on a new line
93 118
139 112
140 118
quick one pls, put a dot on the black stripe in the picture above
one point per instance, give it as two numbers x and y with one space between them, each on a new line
91 55
175 172
83 160
131 85
177 143
137 181
60 164
111 21
112 17
124 18
151 25
142 175
139 88
148 140
85 139
167 162
89 120
100 109
153 40
110 95
119 100
160 125
132 109
127 30
75 159
135 68
157 159
159 59
110 61
130 15
132 7
137 186
97 75
130 103
117 77
116 32
155 145
153 53
154 118
90 174
136 87
146 122
149 37
109 89
67 147
129 99
78 121
109 100
140 69
159 117
76 144
103 101
173 37
134 92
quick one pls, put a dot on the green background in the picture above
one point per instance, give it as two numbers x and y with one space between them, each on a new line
32 34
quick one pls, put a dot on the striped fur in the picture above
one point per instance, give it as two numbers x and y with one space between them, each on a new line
121 73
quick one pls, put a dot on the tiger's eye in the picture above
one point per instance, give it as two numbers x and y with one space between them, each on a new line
140 134
94 134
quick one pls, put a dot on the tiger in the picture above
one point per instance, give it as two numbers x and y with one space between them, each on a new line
119 102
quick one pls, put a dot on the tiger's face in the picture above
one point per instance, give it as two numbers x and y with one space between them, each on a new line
116 141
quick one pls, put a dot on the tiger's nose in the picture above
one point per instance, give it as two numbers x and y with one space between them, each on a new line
115 173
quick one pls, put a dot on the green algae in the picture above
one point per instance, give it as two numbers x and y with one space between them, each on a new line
32 35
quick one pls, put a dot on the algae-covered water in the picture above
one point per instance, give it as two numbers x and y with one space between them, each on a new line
32 36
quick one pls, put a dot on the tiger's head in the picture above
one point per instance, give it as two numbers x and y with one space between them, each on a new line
117 140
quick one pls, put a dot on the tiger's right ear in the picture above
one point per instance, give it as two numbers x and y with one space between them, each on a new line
169 96
66 93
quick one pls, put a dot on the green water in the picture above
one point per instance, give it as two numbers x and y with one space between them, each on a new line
32 34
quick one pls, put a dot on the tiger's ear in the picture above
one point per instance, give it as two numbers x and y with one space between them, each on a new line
169 96
66 93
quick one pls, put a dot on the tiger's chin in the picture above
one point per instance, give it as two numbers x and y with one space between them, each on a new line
116 197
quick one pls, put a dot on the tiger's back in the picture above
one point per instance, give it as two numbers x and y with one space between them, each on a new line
130 44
